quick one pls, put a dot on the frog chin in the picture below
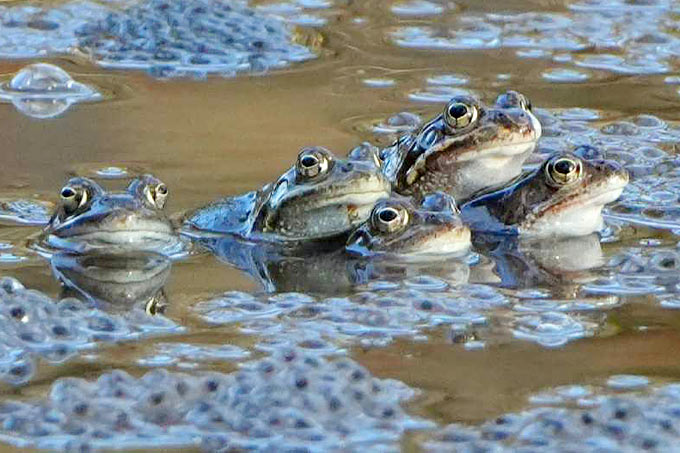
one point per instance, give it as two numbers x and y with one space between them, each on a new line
576 220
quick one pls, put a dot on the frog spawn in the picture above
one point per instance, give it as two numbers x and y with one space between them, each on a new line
630 37
625 415
165 38
409 310
289 401
35 326
44 91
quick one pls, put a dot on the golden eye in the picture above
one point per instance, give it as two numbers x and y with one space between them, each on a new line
389 219
157 195
458 115
563 171
313 162
73 198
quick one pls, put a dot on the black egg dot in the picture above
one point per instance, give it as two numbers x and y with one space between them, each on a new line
59 330
212 385
564 166
80 409
457 110
387 215
17 312
156 398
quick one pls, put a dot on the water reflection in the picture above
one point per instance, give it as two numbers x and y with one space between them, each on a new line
115 282
118 298
324 267
43 91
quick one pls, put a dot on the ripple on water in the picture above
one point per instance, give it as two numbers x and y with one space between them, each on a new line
289 401
26 212
551 329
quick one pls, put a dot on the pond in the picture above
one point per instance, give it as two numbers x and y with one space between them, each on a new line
565 345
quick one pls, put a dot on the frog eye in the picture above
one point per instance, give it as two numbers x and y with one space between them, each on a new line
389 219
156 194
458 115
428 138
563 171
73 198
313 162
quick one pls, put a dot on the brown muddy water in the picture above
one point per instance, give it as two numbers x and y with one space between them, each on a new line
598 73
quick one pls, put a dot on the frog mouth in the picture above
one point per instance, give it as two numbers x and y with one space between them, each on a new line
128 239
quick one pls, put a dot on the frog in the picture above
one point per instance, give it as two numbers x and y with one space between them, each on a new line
401 238
468 148
564 197
321 197
401 227
89 218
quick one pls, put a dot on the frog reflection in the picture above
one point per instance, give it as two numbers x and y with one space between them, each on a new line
561 265
401 238
117 281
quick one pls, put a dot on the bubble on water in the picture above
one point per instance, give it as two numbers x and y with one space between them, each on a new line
44 90
565 76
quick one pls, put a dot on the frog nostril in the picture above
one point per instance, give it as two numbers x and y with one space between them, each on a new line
348 167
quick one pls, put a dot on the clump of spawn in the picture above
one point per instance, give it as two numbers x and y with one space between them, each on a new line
287 402
626 415
35 326
190 38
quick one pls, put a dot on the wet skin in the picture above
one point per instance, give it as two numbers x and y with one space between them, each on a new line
401 227
563 198
468 148
88 218
320 197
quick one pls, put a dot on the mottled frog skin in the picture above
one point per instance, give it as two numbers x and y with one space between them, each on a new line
563 198
321 196
401 227
88 218
467 148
